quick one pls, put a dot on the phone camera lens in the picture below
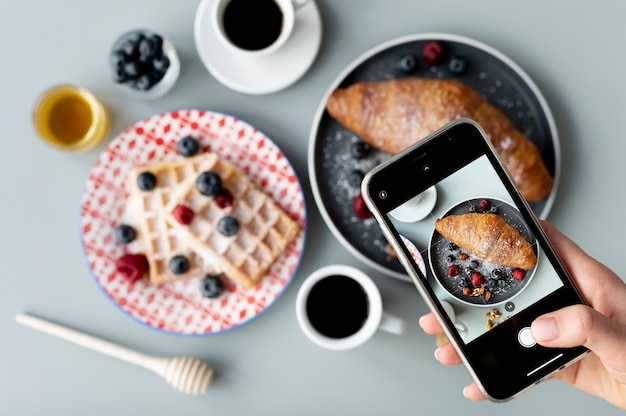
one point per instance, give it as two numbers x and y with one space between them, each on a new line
426 168
382 194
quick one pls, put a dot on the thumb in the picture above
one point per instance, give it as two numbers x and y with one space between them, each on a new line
581 325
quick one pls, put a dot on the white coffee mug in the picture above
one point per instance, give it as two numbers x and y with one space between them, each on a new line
313 306
459 325
238 31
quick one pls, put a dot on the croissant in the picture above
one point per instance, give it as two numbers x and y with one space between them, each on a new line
488 237
391 115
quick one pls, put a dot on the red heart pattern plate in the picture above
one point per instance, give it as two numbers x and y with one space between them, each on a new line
179 307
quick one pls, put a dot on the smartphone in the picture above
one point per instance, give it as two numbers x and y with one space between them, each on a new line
476 253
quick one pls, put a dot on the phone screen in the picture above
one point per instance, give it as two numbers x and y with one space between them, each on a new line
482 293
475 249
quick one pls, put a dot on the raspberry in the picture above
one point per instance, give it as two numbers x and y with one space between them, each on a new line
477 279
360 208
183 214
433 53
483 205
518 274
224 198
453 270
132 266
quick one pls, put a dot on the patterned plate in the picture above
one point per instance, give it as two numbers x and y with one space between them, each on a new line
415 254
179 307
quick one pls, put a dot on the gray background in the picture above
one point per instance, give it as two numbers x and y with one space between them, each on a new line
576 56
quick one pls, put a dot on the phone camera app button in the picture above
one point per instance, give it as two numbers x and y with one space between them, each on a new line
509 306
525 338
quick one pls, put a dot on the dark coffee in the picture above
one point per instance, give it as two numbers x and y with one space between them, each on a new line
253 24
337 306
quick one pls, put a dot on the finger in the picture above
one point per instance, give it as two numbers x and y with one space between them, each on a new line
473 393
430 325
447 355
581 325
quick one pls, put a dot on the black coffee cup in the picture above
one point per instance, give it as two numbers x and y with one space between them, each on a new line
339 307
253 27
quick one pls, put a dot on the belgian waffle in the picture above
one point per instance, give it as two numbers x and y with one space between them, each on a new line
158 240
264 228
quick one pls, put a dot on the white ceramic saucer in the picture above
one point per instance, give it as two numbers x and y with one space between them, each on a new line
263 74
417 208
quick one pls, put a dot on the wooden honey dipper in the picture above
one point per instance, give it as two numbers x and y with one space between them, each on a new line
188 375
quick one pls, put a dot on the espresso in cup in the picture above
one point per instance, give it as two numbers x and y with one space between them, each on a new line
253 24
253 27
339 307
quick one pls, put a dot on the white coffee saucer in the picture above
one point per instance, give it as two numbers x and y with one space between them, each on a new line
264 74
417 208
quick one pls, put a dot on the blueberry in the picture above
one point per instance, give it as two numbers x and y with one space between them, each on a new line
209 183
147 49
472 208
143 82
457 65
118 58
359 149
156 76
474 264
497 273
157 41
160 63
119 75
228 226
179 264
146 181
408 63
124 234
129 47
211 286
355 178
188 146
132 69
450 258
452 246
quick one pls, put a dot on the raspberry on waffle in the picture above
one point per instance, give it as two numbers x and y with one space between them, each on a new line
264 230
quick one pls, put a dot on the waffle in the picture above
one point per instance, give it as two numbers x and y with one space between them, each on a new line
264 228
158 240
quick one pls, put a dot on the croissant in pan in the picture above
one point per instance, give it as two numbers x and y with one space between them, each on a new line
391 115
488 237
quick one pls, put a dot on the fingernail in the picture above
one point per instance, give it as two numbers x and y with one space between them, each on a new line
437 352
421 320
545 329
466 392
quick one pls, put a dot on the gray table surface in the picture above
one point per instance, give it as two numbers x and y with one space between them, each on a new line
574 53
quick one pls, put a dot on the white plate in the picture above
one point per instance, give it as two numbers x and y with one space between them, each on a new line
264 74
416 208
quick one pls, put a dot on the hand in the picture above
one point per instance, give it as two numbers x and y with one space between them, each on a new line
601 329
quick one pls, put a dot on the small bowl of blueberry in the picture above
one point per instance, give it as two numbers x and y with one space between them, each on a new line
144 64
